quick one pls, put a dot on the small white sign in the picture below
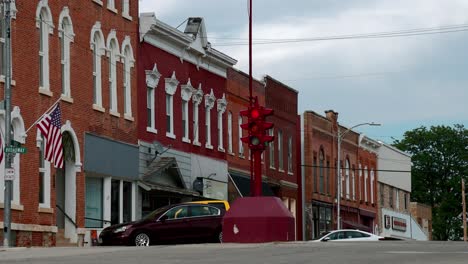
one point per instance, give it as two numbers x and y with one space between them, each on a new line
10 174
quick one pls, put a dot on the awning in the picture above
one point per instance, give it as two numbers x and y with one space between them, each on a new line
353 225
243 184
163 174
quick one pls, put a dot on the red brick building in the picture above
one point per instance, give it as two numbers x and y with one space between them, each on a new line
183 124
281 159
238 152
359 179
54 47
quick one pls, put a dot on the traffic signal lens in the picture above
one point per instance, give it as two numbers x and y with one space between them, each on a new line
254 128
255 141
254 113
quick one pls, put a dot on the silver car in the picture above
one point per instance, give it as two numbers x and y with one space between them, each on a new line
348 235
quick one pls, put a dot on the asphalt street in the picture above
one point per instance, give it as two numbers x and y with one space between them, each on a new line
382 252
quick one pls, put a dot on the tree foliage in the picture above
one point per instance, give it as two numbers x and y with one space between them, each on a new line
440 161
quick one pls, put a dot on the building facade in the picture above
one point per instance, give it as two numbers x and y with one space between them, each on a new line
396 218
85 61
182 127
280 157
358 177
238 158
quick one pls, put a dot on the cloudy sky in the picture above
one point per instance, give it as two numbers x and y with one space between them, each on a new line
401 82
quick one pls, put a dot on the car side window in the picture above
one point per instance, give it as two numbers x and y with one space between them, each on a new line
353 234
336 236
177 212
203 211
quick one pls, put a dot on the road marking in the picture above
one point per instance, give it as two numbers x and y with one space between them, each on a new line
425 252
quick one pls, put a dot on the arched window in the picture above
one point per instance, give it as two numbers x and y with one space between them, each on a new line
66 36
347 171
128 62
353 184
45 25
98 48
113 54
321 171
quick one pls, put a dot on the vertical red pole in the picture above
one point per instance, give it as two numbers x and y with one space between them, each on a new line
257 156
250 52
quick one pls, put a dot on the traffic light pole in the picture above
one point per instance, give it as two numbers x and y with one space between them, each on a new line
8 156
257 156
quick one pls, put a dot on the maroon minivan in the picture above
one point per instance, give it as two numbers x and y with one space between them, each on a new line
172 224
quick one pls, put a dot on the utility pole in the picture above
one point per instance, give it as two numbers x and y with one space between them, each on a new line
8 156
464 210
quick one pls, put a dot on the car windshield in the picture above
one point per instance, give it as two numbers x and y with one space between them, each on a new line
156 212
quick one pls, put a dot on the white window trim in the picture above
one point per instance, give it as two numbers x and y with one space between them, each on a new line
221 107
186 91
272 150
366 176
241 144
290 156
98 50
230 132
347 180
67 36
48 28
152 80
209 104
126 9
280 151
113 54
111 6
197 98
129 63
46 171
353 180
171 88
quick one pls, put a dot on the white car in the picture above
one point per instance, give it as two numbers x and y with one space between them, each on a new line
348 235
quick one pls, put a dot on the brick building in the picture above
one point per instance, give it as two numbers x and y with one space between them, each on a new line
54 47
281 159
319 156
182 127
238 152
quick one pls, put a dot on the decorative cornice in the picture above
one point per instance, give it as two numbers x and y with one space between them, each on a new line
152 77
209 100
186 91
171 84
222 103
197 95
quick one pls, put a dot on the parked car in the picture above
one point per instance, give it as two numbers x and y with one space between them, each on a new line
173 224
222 204
348 235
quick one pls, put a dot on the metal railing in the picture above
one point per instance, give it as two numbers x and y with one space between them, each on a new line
100 220
67 216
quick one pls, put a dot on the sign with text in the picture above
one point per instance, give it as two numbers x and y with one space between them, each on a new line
10 174
399 224
20 150
387 222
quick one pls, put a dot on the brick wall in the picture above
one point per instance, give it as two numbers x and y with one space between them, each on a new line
25 92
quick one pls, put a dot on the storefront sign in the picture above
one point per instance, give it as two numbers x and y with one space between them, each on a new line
214 189
399 224
387 222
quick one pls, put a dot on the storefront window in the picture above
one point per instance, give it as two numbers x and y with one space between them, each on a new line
127 202
94 202
115 198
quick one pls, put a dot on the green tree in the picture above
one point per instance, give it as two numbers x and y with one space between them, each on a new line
440 161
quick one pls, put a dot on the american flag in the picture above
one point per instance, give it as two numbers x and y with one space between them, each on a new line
50 127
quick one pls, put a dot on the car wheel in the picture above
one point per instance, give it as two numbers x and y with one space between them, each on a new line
142 240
